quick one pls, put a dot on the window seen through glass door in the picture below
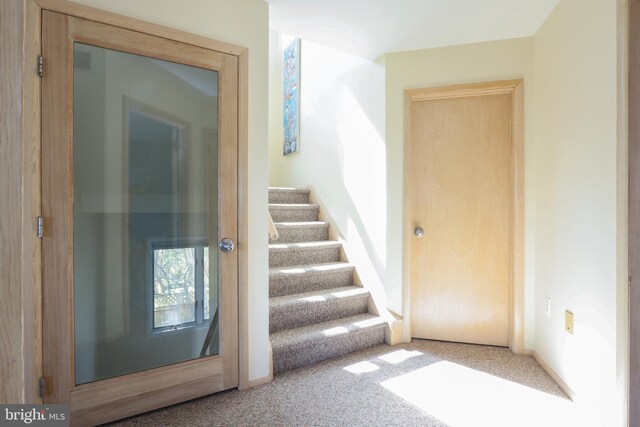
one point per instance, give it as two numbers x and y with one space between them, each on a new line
180 288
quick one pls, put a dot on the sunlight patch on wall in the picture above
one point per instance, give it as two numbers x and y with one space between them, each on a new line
588 350
365 175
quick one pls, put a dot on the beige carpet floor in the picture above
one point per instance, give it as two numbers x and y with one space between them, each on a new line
424 383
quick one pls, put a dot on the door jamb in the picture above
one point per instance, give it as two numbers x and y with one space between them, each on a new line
629 132
514 88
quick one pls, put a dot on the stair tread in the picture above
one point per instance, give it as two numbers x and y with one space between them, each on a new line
309 278
322 244
290 189
294 206
316 311
313 307
322 296
283 195
325 331
302 224
294 212
312 268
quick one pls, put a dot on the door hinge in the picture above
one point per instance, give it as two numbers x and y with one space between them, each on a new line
41 387
40 227
40 65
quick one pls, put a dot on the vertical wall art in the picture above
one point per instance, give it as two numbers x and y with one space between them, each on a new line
291 104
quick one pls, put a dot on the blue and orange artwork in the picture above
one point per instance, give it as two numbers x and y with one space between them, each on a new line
291 104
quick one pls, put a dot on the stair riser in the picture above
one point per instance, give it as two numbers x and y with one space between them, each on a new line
290 284
293 214
292 257
285 357
302 234
288 197
281 318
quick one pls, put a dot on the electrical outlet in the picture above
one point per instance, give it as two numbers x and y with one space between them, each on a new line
547 307
568 321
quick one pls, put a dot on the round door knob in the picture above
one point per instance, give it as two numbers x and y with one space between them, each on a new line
418 232
226 245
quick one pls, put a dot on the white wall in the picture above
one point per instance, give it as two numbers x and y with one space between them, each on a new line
575 197
245 23
342 151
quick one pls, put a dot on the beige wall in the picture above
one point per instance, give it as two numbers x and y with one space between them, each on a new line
277 173
245 23
575 216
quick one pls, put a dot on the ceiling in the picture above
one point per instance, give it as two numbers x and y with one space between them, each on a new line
370 28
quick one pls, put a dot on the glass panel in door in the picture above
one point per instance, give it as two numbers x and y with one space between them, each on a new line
144 213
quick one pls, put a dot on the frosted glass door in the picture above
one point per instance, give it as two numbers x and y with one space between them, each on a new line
144 157
139 188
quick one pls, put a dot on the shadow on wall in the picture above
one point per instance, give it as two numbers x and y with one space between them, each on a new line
342 150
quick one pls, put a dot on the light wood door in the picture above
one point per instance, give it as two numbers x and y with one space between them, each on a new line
101 189
461 194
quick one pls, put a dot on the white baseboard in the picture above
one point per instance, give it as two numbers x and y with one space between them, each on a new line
567 390
393 331
256 382
260 381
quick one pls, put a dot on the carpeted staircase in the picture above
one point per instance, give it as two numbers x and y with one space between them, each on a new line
315 310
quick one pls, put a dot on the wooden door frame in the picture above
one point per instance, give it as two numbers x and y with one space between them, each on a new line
24 326
20 328
514 88
629 132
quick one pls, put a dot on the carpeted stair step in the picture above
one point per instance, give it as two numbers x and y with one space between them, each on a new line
295 311
309 278
293 212
301 253
311 231
315 311
303 346
288 195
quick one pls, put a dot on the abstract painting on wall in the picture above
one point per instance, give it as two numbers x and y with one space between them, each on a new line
291 104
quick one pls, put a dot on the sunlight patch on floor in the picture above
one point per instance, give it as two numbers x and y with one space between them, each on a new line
361 367
339 330
293 271
367 323
399 356
315 298
340 294
463 397
347 293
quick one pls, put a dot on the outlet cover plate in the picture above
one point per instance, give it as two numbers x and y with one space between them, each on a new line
568 321
547 307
